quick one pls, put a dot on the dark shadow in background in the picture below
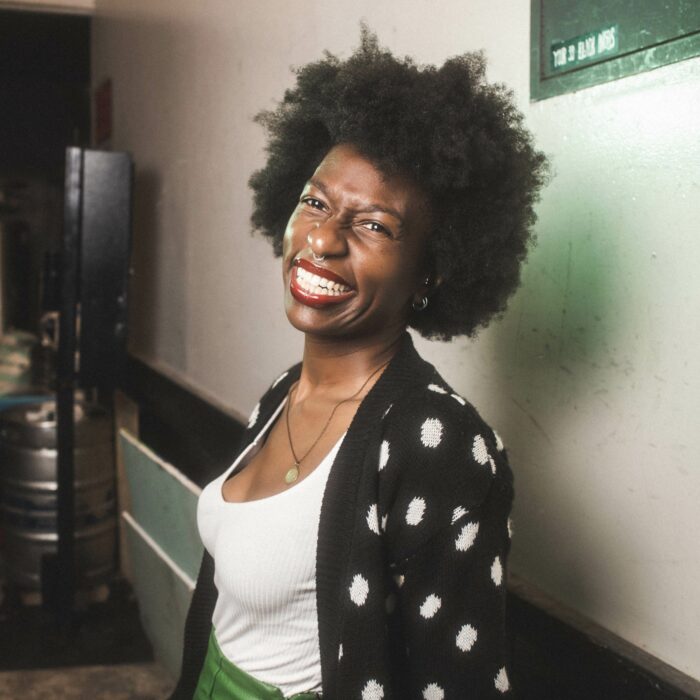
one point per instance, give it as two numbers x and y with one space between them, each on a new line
44 91
45 107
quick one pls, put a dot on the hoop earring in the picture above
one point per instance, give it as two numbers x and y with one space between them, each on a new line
420 305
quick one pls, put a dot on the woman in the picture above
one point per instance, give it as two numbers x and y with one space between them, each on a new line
357 547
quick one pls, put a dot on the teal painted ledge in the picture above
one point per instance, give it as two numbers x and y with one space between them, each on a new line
164 592
163 503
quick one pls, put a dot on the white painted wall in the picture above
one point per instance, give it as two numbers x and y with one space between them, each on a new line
592 377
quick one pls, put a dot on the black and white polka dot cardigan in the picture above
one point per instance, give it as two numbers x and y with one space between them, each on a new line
412 547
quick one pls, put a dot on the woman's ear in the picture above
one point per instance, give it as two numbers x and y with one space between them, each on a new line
429 285
433 282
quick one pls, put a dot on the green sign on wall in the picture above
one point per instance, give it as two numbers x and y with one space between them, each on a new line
584 49
579 43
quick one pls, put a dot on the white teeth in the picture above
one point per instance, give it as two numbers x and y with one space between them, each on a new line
315 284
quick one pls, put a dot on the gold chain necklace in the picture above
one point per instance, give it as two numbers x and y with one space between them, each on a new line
292 473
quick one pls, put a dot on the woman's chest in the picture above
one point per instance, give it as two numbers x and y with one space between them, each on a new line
299 446
268 543
265 556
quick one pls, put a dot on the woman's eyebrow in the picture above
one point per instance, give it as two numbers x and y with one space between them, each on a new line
318 185
363 208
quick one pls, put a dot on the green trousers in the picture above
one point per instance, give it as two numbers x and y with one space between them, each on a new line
222 680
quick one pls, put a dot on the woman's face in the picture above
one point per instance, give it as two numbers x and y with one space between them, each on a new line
371 232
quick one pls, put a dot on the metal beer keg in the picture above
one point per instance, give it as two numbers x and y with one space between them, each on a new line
28 492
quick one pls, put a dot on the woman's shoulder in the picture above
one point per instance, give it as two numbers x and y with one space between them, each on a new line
272 397
433 412
438 460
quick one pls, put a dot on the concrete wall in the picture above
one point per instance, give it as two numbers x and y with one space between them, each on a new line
591 377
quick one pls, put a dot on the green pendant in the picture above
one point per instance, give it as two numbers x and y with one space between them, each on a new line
292 474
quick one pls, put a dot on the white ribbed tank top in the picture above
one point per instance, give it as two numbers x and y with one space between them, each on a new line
265 618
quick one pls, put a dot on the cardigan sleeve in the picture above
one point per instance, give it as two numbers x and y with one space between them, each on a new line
197 630
446 529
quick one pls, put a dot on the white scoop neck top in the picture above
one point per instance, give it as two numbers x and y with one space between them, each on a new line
265 619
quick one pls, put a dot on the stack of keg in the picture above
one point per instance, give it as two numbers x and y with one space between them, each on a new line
28 492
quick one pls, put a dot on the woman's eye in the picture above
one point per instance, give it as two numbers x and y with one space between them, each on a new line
377 228
313 202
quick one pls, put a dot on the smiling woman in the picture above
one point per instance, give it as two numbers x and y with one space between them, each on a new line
357 546
371 232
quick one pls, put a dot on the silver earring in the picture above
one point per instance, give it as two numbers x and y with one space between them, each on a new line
420 305
309 240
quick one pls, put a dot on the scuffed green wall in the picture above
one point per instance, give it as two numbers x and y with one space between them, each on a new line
600 350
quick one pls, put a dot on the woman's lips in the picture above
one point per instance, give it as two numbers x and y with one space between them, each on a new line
315 286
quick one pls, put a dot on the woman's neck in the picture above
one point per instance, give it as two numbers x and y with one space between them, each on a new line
334 370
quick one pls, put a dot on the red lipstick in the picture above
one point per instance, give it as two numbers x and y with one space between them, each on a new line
307 292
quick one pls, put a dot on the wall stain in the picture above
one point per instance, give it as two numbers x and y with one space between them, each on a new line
534 421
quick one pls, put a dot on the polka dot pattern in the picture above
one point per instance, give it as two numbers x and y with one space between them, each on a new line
373 519
383 454
458 513
481 454
466 638
359 590
431 432
497 571
373 691
430 606
499 442
429 475
254 416
501 681
433 692
466 537
436 388
415 511
479 450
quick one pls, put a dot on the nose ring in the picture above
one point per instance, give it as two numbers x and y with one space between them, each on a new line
309 240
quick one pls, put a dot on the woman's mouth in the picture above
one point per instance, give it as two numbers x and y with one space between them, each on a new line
315 286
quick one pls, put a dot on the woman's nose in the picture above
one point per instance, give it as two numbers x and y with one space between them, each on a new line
326 239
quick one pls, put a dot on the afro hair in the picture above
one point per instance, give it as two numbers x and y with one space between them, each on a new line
461 139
